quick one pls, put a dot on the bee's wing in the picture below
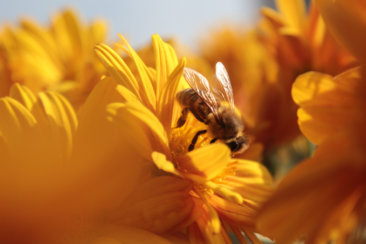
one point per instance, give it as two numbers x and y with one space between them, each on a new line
202 87
221 86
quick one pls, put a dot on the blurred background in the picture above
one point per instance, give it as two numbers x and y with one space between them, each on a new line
187 20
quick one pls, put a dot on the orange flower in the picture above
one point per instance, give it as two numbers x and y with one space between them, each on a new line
61 172
263 64
323 198
57 57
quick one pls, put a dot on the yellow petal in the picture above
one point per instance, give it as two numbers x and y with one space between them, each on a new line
166 61
294 12
68 34
251 180
252 172
55 112
346 20
169 113
161 204
15 119
240 213
117 68
23 95
43 38
96 137
208 161
272 16
134 117
163 164
145 83
98 31
326 103
30 53
317 198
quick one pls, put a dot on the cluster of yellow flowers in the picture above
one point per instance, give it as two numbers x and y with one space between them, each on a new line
90 151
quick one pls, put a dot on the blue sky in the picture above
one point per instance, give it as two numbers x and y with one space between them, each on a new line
186 20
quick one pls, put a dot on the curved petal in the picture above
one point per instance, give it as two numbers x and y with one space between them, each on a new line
327 105
294 13
159 205
347 21
15 126
251 180
168 113
134 117
316 200
117 68
166 60
56 116
208 161
24 95
96 137
68 32
243 214
145 83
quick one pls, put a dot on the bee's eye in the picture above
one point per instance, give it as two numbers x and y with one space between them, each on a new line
233 145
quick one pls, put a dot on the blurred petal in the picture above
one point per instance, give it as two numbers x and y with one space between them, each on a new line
23 95
90 147
15 120
126 234
327 104
159 205
294 13
318 197
134 117
57 121
346 20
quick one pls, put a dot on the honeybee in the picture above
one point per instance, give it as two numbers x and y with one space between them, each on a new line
212 103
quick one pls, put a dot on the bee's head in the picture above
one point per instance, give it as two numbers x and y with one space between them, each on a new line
238 144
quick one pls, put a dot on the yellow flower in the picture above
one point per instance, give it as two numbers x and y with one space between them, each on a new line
264 62
201 194
63 173
56 57
323 200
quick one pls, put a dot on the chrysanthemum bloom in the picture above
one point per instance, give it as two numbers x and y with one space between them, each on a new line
324 198
199 195
264 62
55 57
61 173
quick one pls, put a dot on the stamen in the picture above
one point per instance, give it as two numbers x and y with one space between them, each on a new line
225 193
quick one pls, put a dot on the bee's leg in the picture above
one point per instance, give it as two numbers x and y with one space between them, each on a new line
213 140
195 138
182 119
